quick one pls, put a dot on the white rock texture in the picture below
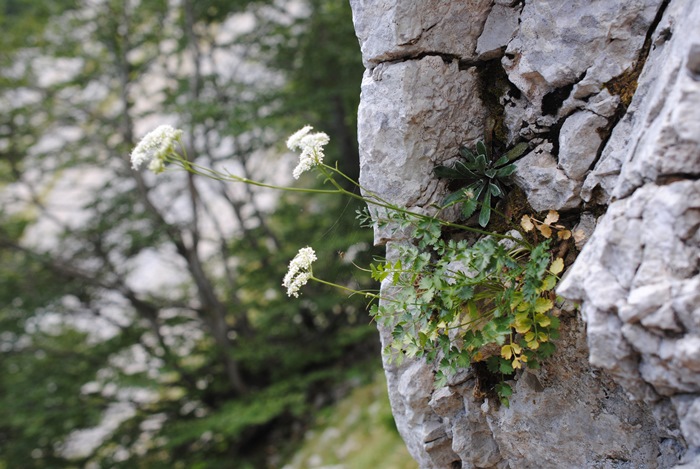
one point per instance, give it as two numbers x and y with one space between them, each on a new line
391 30
587 42
624 388
500 27
579 142
413 114
658 136
638 275
547 185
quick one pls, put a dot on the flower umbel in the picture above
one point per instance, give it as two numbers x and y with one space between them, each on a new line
299 271
311 146
294 140
154 147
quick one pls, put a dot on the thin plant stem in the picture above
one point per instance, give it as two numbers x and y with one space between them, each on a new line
366 294
328 171
379 202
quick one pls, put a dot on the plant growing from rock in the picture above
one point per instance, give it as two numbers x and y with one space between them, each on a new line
453 302
456 304
484 179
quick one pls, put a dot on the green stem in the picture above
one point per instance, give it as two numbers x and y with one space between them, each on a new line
370 198
366 294
480 318
379 202
215 175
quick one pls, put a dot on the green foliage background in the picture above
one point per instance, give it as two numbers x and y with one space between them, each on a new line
234 371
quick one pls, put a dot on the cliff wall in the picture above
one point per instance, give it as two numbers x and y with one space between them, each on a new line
606 93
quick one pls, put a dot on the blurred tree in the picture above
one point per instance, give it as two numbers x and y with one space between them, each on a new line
323 69
153 307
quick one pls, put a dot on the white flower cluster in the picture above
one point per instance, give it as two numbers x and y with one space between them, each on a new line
311 146
154 147
299 271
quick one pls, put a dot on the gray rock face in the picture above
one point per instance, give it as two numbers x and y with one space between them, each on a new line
501 25
399 103
570 415
638 275
579 141
562 59
624 387
644 259
588 42
662 116
411 388
389 30
547 186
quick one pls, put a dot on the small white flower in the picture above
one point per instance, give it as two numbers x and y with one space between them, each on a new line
154 147
294 140
157 165
311 146
299 271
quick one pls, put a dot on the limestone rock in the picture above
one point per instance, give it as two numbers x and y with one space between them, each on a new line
603 103
561 43
390 30
547 187
688 408
579 141
410 387
473 440
572 66
657 136
501 25
567 401
641 262
413 115
584 229
647 245
445 402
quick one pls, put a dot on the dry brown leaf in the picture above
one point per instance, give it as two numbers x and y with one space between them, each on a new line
526 223
579 238
552 217
545 230
564 234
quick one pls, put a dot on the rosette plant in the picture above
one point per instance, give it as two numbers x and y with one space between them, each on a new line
483 177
